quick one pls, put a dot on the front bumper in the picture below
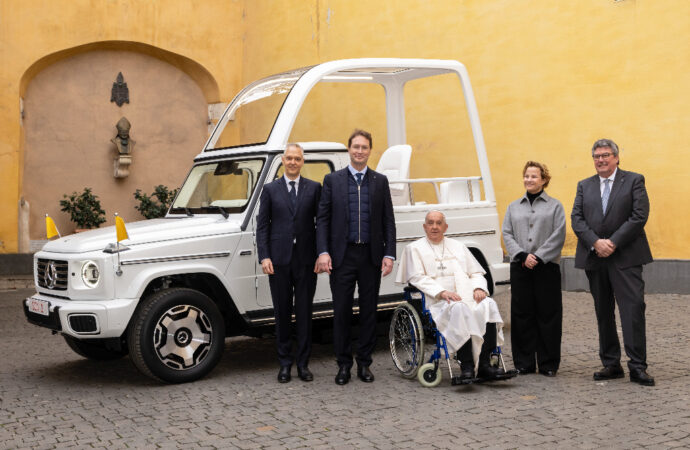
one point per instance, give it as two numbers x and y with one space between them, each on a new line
83 319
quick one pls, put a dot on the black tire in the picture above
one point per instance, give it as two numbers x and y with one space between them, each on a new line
177 335
93 349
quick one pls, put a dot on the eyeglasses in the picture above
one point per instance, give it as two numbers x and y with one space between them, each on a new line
602 156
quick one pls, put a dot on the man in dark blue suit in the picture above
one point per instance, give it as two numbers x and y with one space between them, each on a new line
286 241
609 215
356 244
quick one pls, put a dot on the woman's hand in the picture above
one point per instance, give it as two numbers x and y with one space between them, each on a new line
531 261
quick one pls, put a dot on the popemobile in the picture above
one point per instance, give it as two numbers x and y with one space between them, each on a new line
170 293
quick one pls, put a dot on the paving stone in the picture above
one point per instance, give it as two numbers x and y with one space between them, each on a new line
52 398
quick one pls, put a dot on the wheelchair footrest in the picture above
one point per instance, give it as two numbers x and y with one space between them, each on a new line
460 381
499 377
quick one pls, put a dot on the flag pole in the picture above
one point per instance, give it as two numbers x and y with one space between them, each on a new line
118 272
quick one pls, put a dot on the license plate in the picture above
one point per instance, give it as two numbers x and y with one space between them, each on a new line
37 306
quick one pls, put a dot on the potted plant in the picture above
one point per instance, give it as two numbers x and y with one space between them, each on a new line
84 209
157 204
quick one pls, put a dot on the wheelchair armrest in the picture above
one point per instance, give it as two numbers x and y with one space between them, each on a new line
410 288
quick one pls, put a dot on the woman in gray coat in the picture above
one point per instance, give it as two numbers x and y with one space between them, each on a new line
534 233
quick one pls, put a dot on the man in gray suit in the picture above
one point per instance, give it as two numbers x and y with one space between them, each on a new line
609 214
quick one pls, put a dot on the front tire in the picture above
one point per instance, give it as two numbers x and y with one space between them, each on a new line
177 335
93 350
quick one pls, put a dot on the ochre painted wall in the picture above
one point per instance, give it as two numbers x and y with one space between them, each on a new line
550 77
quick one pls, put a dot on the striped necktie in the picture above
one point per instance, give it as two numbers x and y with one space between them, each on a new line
605 195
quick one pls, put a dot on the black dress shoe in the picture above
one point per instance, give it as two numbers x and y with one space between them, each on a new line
284 374
641 377
304 374
364 374
491 373
343 376
548 373
523 371
609 373
467 374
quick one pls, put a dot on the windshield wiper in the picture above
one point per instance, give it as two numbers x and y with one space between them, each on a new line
188 212
221 209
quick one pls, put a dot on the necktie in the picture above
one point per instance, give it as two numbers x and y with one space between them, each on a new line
359 178
605 195
293 194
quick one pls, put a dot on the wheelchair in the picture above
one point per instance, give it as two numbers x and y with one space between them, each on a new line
406 336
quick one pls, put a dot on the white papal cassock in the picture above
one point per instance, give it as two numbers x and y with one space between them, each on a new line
450 266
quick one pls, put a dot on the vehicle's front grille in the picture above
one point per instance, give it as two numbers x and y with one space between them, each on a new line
52 274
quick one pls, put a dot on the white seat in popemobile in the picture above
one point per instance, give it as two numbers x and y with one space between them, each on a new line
459 191
395 165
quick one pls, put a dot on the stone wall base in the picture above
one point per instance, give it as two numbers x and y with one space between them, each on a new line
663 276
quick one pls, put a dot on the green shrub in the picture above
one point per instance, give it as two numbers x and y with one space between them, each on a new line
157 204
84 209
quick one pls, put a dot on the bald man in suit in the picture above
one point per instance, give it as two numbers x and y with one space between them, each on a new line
286 241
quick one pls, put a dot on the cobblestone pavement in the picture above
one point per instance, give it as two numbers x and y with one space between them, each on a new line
50 397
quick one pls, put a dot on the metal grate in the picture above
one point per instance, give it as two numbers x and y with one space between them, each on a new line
52 274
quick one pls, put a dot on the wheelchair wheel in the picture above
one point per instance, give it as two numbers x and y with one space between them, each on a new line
429 375
406 340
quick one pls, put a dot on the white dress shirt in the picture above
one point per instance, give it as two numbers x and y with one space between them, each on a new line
296 180
602 185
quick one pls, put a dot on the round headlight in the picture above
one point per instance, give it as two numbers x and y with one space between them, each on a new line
90 273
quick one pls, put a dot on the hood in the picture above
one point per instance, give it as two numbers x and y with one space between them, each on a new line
144 232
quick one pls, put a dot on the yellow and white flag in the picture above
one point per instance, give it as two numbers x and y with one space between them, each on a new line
121 229
51 229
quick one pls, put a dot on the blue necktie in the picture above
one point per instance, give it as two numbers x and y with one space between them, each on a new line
359 178
605 195
293 194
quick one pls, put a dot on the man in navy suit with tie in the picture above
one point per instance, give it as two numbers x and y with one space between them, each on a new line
286 241
609 215
356 244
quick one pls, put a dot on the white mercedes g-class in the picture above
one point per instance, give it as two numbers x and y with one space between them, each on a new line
170 294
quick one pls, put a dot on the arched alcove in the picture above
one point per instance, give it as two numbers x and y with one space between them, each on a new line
69 121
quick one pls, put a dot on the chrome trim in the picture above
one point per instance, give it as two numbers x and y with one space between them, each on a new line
51 273
98 325
450 235
131 262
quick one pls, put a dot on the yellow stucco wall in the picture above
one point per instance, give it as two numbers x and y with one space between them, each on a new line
550 77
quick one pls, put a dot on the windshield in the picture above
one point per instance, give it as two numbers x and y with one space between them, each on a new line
253 112
222 187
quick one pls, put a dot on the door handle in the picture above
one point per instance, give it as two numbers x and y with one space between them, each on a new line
245 252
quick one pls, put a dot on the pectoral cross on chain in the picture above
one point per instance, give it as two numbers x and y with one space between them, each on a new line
441 267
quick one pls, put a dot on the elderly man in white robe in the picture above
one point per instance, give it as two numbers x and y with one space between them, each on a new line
456 294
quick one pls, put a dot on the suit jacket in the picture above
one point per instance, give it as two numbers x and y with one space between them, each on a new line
626 214
333 217
278 224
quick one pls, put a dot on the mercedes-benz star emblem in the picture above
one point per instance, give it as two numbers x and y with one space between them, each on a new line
50 276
